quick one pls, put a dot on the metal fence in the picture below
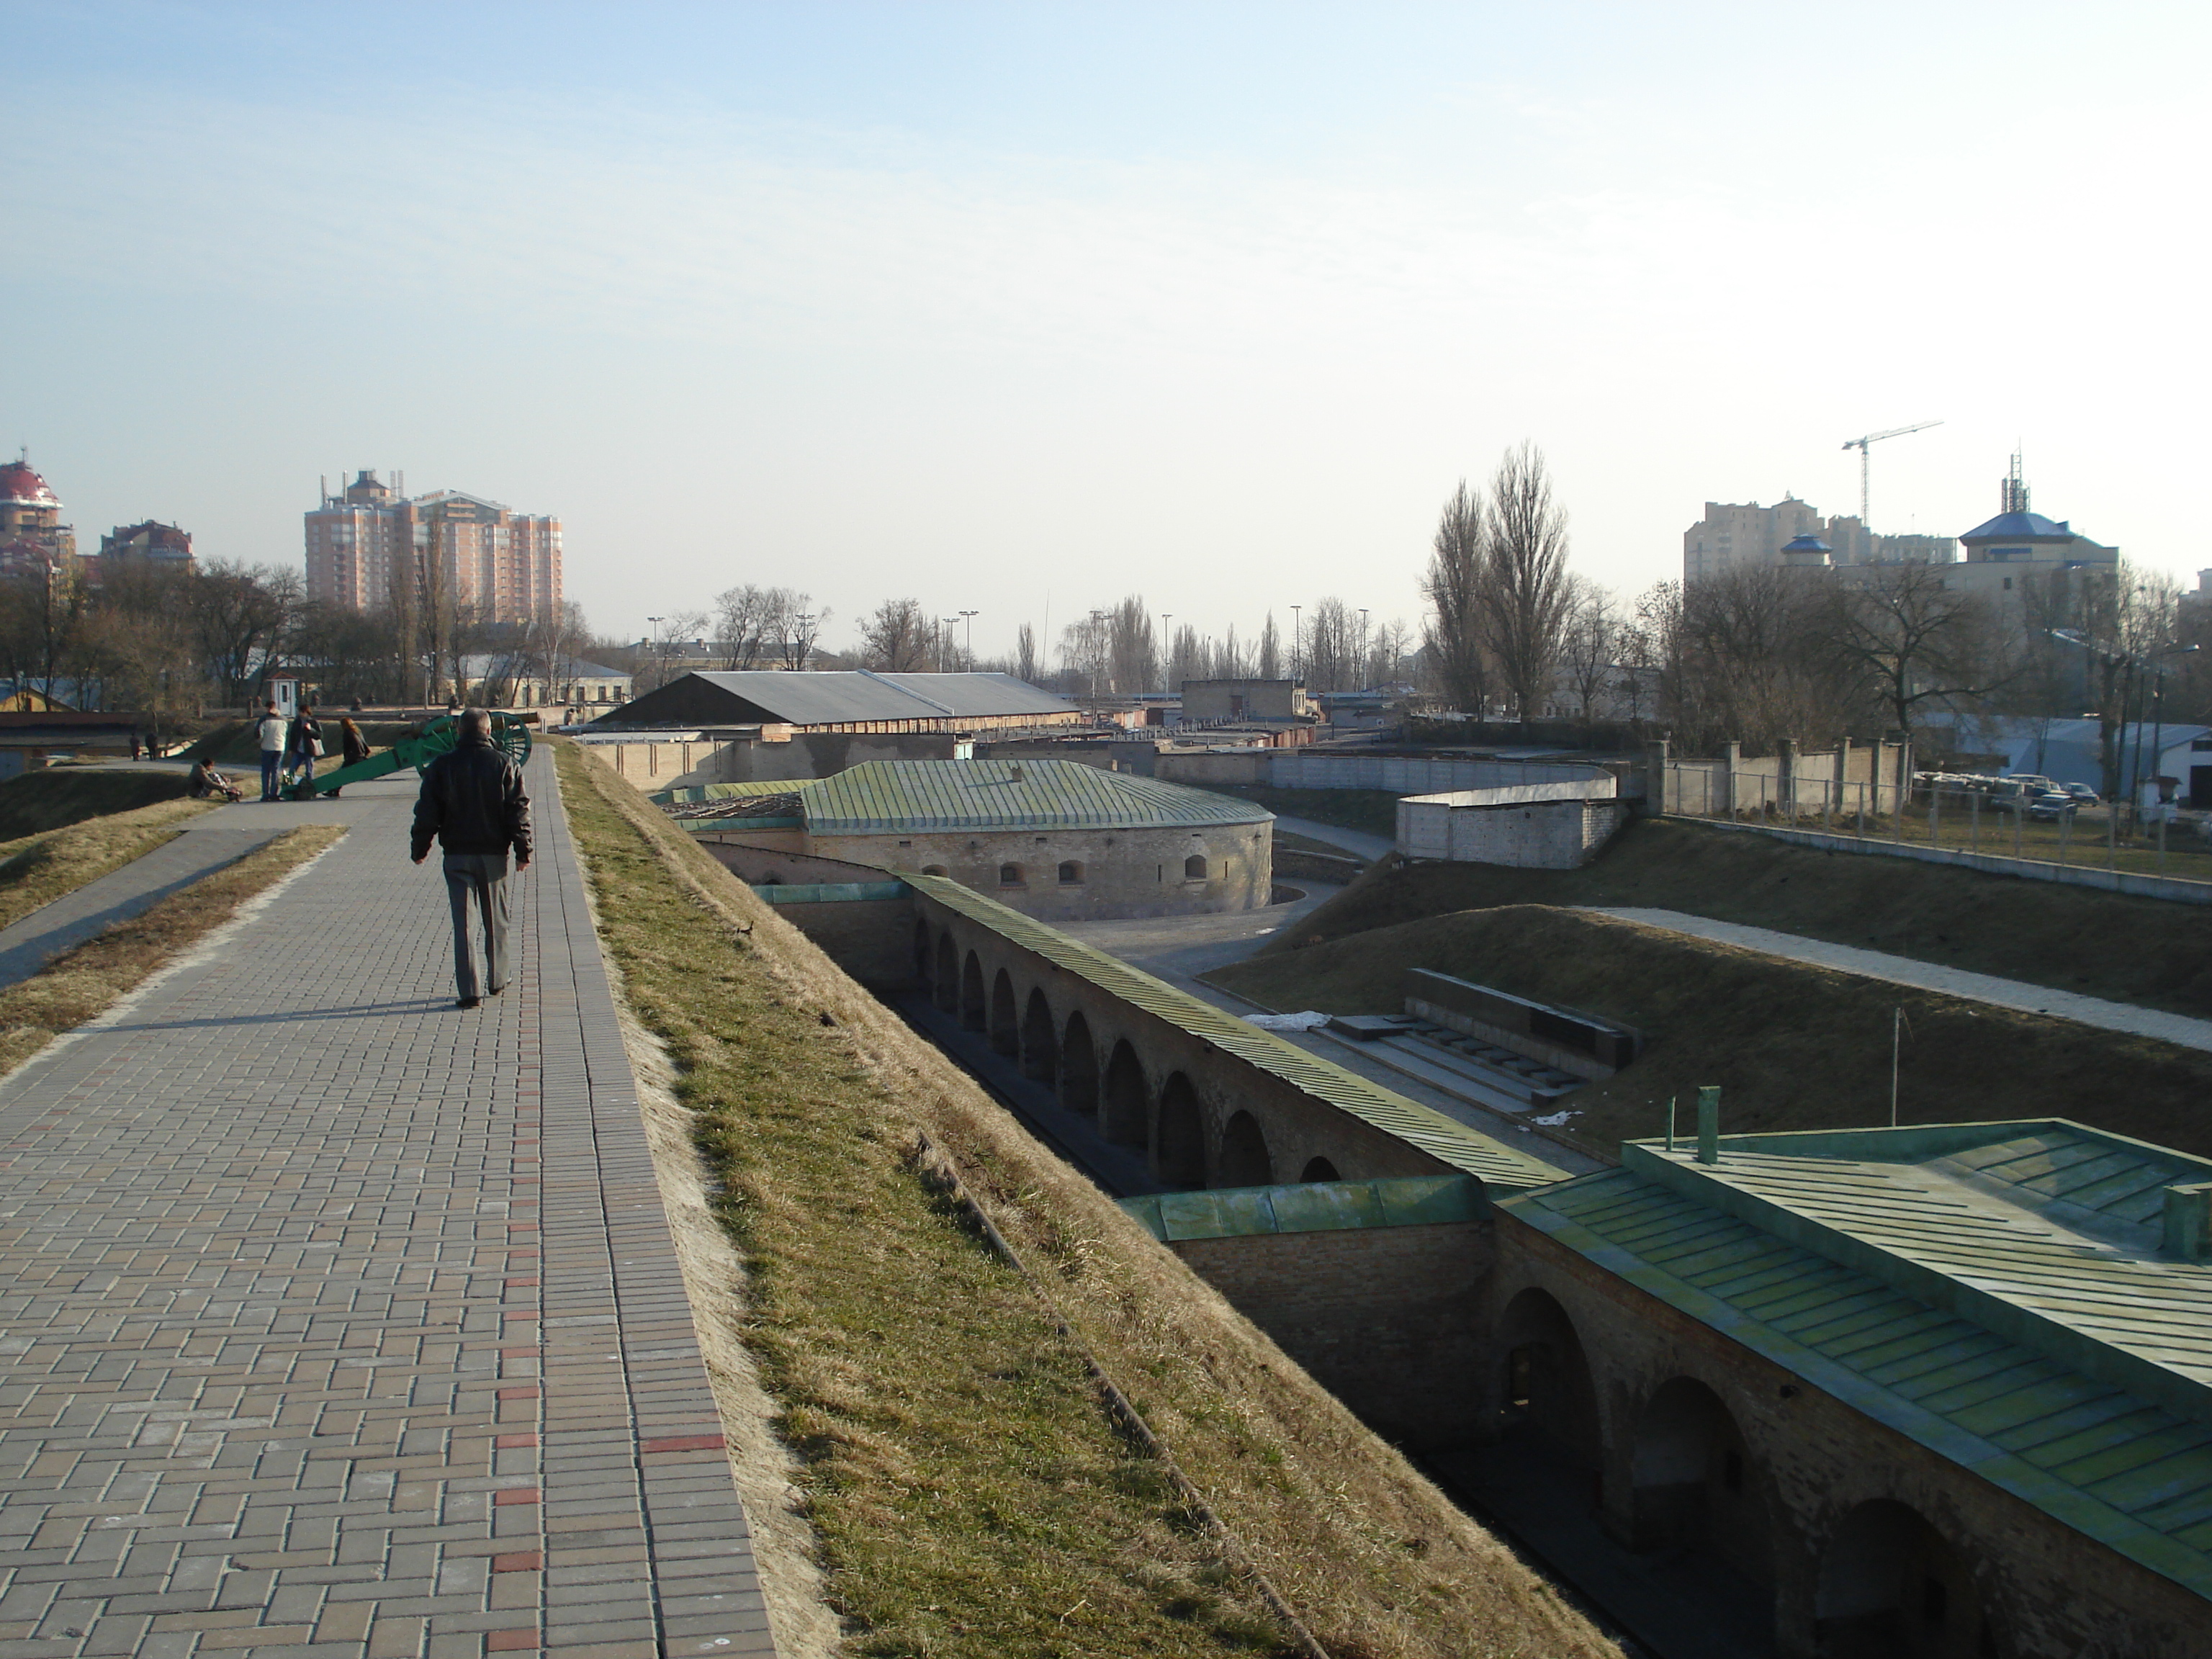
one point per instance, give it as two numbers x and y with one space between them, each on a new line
1960 819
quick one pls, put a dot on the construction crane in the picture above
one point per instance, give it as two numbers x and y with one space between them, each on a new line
1860 444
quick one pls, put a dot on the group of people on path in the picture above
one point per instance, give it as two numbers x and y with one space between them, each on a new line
290 748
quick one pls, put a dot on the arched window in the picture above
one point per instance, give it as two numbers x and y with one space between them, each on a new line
1193 867
1010 875
1071 873
935 870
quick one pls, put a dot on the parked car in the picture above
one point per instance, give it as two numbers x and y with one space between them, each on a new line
2049 806
2082 793
2011 794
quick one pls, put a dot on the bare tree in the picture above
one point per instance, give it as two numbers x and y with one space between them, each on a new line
1905 639
1751 664
1134 649
743 618
898 637
1524 598
798 624
1087 648
1455 641
1025 653
239 614
1271 651
1590 645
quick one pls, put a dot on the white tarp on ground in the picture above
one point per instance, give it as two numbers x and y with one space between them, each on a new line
1305 1022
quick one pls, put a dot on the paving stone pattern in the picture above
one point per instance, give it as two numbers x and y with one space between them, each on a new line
334 1320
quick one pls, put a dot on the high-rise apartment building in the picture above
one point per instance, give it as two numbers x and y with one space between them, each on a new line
370 548
1731 536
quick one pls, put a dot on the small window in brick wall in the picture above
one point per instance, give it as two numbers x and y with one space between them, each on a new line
1010 875
1193 867
1071 873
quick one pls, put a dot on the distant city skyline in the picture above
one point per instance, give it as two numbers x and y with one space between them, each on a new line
1019 311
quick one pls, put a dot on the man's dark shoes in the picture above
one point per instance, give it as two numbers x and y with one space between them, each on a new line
467 1002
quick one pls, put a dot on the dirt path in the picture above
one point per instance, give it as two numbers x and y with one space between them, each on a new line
1927 976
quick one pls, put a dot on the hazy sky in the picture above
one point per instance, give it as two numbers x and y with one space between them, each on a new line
1026 307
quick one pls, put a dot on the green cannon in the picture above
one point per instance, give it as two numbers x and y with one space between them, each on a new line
416 749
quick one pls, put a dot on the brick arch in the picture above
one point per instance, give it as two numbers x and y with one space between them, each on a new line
1126 1112
973 1011
1040 1046
1693 1485
1078 1068
1005 1030
1244 1160
925 950
1544 1378
1179 1155
1891 1583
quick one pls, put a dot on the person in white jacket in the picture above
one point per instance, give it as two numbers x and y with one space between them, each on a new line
272 729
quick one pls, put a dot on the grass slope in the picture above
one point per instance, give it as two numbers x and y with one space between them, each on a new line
969 1494
81 984
1794 1047
2074 939
54 799
36 870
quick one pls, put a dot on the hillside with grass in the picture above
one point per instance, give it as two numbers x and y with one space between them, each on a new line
1792 1046
57 797
969 1494
2152 952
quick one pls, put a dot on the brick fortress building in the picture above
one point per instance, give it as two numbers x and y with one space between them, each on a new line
371 547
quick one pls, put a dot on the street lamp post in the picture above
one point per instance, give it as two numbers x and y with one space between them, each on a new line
1297 636
1167 653
659 667
970 616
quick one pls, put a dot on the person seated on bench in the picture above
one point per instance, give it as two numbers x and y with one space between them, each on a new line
206 783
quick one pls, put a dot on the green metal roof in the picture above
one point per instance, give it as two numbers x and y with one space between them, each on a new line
1995 1291
1317 1207
1494 1164
1007 794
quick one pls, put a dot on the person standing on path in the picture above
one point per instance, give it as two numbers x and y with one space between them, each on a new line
472 804
271 729
354 746
303 743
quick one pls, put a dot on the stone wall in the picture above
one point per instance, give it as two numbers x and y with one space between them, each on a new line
869 938
1117 873
1386 1318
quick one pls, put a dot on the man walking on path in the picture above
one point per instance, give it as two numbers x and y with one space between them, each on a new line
472 804
272 750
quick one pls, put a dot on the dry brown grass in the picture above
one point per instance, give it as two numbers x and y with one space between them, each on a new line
36 870
56 797
1792 1046
969 1494
81 984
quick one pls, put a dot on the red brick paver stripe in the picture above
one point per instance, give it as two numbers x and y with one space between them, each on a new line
519 1561
509 1442
511 1641
515 1495
677 1442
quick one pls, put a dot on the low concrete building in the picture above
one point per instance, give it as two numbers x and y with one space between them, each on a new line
1050 838
1245 700
1536 826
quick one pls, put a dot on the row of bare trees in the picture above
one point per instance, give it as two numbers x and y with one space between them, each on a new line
165 641
1500 596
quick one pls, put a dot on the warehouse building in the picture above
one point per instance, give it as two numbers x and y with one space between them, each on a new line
1051 838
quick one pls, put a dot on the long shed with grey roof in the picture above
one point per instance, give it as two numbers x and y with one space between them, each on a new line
1948 1387
850 701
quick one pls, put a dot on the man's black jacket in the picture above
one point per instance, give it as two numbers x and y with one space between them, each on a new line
472 802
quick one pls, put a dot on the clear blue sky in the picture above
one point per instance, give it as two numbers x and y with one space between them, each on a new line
1011 308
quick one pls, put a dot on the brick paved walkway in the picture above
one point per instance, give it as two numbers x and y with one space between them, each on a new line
336 1321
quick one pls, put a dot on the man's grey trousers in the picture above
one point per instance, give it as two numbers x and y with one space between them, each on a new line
481 877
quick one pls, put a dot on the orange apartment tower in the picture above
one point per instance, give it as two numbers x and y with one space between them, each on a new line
372 548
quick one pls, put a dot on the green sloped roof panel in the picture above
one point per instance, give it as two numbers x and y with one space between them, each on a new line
1318 1206
1498 1166
879 797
